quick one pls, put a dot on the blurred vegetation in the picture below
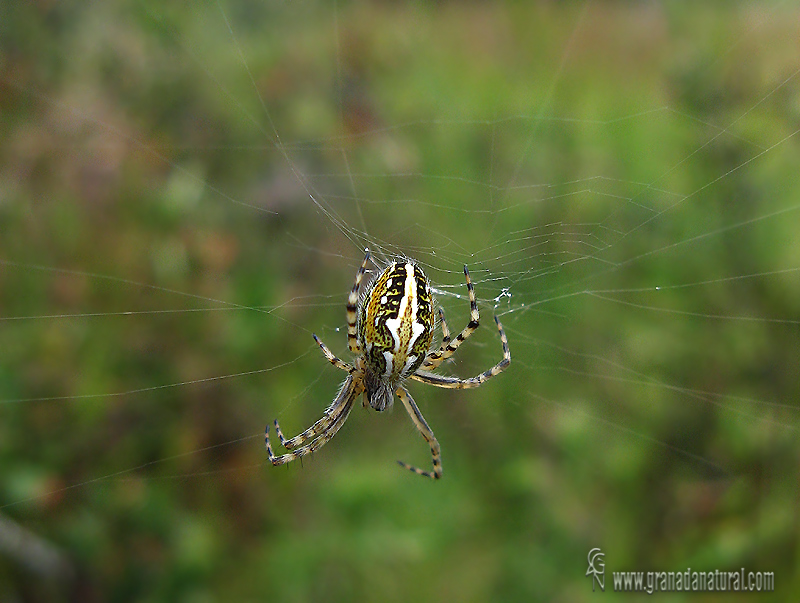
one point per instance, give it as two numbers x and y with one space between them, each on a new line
162 268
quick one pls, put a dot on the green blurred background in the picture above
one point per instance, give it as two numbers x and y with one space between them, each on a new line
164 259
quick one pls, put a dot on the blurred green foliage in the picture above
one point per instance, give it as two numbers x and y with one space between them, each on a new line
162 267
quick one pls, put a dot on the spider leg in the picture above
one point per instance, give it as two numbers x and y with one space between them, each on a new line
455 382
338 363
316 444
445 328
320 433
435 359
352 306
427 433
330 414
448 347
328 417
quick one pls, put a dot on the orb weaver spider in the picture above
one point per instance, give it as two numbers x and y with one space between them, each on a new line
389 331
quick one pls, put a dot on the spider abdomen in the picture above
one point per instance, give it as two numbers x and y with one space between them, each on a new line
395 329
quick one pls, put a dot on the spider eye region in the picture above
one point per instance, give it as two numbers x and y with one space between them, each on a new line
395 329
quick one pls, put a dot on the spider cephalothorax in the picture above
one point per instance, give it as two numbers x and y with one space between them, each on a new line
389 331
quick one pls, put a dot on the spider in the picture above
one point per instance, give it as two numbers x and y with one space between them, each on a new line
389 331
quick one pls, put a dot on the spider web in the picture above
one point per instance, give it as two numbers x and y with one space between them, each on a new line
622 187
